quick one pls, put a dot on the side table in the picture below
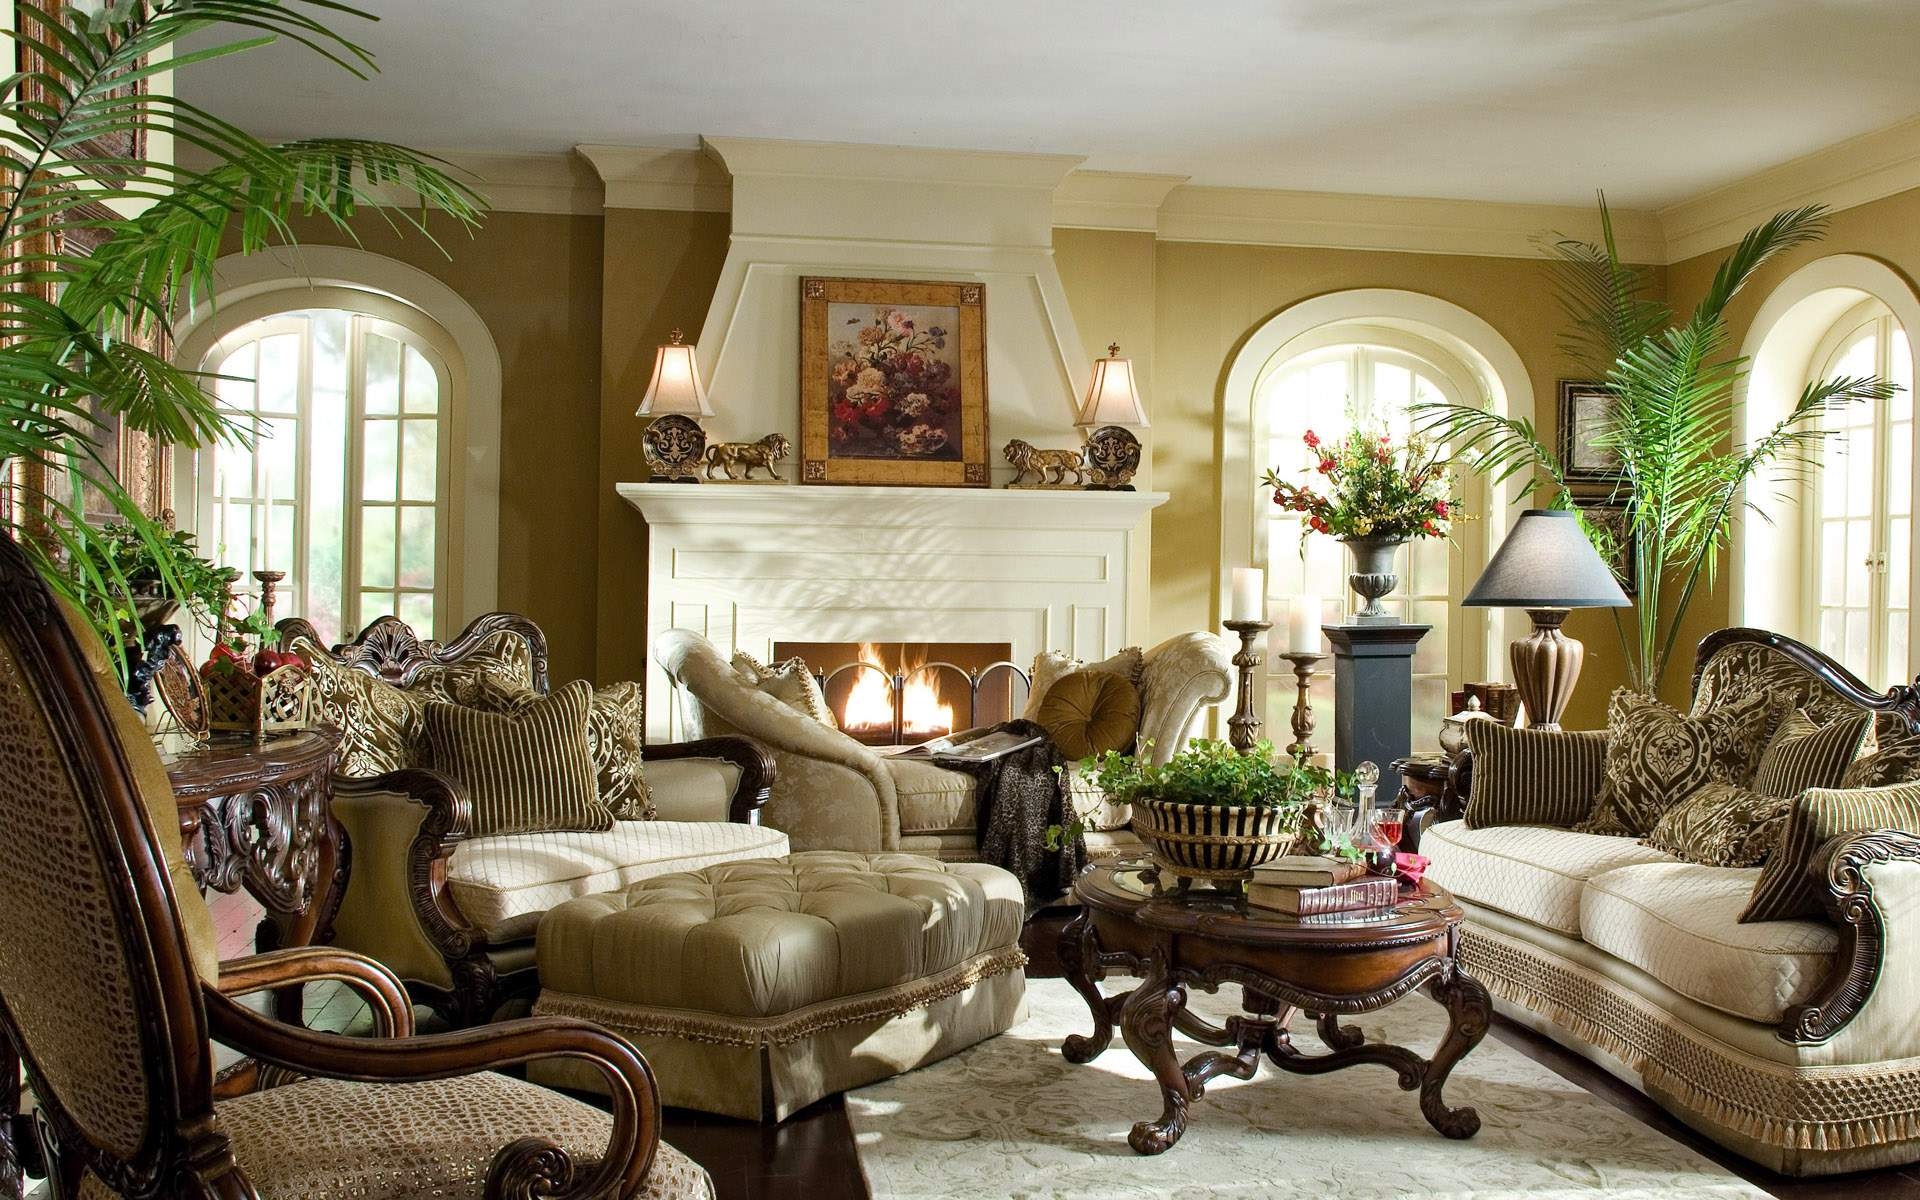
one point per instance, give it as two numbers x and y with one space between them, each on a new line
255 815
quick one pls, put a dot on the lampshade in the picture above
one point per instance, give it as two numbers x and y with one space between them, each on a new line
1547 562
1112 399
675 386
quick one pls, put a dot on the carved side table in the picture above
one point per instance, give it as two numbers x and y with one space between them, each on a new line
256 815
1324 967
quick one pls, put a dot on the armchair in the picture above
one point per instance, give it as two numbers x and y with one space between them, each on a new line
833 793
110 997
455 915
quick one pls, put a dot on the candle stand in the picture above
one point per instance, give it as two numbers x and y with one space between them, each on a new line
1303 663
1243 727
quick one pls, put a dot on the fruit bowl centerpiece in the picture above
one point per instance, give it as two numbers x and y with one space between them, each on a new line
1211 812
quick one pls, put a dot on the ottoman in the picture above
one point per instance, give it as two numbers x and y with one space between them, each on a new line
755 988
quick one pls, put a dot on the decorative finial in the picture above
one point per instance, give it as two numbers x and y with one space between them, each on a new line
675 336
1366 774
1113 349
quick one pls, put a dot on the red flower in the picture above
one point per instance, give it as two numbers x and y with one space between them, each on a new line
1385 440
1440 509
1312 440
1326 465
1430 529
1318 525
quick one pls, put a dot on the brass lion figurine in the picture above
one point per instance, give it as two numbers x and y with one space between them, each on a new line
1046 466
748 455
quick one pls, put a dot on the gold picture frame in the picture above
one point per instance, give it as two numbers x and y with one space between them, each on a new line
893 383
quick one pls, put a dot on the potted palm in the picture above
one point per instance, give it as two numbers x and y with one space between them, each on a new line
83 334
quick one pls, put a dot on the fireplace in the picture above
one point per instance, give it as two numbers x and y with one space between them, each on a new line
905 693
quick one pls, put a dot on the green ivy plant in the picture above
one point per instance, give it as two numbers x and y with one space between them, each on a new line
144 559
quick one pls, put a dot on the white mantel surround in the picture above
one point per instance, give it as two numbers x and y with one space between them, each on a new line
745 565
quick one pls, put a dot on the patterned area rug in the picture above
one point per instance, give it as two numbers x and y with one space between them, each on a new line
1011 1118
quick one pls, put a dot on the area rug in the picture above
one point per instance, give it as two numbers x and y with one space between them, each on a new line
1011 1118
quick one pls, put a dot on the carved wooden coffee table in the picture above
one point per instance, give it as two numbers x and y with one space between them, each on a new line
1324 967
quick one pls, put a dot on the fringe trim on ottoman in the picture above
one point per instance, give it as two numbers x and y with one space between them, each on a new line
694 1026
1800 1108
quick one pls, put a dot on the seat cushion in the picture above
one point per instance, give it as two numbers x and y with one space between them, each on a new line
1680 923
504 884
762 939
1527 871
931 799
433 1141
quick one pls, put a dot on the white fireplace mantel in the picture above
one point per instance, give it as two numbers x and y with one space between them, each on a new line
745 565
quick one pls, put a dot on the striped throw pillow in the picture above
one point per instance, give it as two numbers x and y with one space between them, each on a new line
523 772
1786 888
1806 754
616 734
1533 776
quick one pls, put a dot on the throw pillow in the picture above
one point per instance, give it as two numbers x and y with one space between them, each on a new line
1533 776
1787 888
1051 666
1089 713
523 772
1895 758
616 734
380 725
1658 756
789 682
1804 753
1721 825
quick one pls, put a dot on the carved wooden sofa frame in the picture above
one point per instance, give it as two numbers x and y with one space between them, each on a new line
390 650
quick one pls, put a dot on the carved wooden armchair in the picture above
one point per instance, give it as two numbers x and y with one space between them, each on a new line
455 916
111 997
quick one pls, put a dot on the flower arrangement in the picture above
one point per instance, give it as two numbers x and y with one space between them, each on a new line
1375 488
893 389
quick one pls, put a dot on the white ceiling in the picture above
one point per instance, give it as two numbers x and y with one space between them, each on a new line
1539 101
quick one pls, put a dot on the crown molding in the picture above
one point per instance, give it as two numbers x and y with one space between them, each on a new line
661 177
901 164
531 183
1846 174
1112 200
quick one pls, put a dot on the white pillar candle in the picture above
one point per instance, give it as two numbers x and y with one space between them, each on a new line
1303 625
1249 594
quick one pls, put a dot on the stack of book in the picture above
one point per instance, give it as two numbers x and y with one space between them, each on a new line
1312 885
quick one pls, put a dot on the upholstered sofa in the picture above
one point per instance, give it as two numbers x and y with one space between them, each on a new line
454 915
1793 1043
831 792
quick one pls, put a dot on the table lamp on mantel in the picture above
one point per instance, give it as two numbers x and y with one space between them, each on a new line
676 400
1547 566
1112 404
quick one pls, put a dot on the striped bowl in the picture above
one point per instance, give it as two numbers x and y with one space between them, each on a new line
1214 841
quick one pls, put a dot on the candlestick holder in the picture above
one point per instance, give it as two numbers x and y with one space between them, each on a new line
269 585
1243 727
1303 664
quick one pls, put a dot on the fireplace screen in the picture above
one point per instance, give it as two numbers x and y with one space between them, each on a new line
905 693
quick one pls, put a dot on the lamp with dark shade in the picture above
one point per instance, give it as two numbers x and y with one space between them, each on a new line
1548 567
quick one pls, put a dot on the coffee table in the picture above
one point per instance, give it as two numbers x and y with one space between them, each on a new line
1323 967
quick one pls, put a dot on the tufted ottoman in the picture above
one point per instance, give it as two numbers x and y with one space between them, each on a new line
755 988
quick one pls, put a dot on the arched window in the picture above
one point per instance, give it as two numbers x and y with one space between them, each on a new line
1332 380
1859 506
347 487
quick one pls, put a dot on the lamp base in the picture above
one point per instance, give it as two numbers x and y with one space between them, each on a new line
1546 664
1113 455
672 446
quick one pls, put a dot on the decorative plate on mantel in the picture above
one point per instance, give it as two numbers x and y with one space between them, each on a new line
893 383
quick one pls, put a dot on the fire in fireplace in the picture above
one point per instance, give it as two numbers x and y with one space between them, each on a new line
905 693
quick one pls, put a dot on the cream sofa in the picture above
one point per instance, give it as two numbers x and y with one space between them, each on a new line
1793 1043
454 915
833 793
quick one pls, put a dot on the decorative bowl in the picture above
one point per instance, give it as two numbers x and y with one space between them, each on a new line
1214 841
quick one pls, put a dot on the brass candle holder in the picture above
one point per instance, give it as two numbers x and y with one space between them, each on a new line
269 590
1303 665
1243 727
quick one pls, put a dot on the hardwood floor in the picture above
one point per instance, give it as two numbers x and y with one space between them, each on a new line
811 1155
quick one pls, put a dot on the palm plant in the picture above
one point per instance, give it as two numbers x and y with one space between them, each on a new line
1686 470
82 336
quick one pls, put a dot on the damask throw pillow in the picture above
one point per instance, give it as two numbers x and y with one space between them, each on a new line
524 772
1721 825
380 725
1657 756
1804 753
616 734
1533 776
789 682
1895 758
1786 888
1051 666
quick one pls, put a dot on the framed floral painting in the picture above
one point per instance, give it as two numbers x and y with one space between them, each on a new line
893 382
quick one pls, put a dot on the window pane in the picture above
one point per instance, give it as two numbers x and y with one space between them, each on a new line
416 547
382 374
280 547
423 386
416 609
1860 472
1856 655
1392 389
1899 548
1833 552
326 595
421 459
1832 625
1859 546
379 459
1901 368
1900 467
374 605
1897 667
278 448
240 367
279 372
376 545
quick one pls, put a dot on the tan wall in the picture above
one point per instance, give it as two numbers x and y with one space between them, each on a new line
1886 229
535 280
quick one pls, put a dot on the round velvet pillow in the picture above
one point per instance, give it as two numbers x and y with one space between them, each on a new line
1089 713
